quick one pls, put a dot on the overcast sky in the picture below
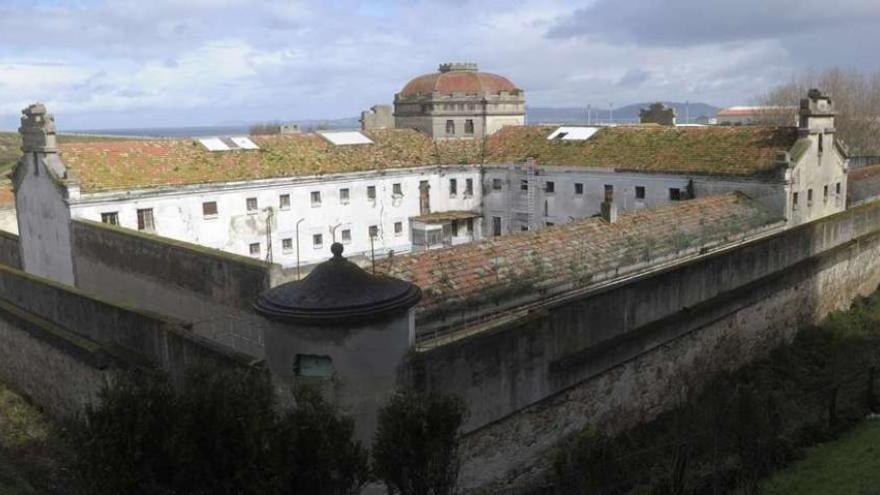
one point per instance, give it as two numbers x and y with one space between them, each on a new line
136 63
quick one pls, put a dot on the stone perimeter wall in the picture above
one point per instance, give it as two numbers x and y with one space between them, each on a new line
9 253
211 291
621 357
59 345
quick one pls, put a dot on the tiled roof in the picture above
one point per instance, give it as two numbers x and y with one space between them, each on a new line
466 82
577 252
133 164
864 173
147 163
7 197
743 150
440 216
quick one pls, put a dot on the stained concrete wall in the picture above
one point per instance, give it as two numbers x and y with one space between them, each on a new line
615 357
43 217
158 340
212 291
9 249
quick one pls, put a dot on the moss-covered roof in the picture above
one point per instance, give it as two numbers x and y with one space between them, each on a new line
148 163
575 252
743 150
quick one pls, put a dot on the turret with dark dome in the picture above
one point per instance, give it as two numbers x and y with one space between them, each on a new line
459 101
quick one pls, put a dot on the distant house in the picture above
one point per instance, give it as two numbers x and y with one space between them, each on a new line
750 115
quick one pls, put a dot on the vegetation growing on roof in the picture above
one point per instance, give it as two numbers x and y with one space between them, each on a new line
478 273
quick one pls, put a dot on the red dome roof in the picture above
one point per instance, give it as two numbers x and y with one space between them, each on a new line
448 81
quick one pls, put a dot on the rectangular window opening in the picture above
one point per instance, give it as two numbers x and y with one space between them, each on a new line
497 184
346 236
287 245
209 209
398 228
371 193
397 189
468 187
640 192
254 249
316 198
344 195
578 188
453 188
145 220
549 187
110 218
674 194
284 202
251 205
317 241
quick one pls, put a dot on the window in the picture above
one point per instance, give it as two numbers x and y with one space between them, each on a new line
496 184
398 228
455 228
609 192
821 143
316 198
344 195
145 220
523 185
284 202
317 241
450 127
794 201
523 228
469 223
809 197
825 194
674 194
468 188
453 188
110 218
287 245
578 188
640 192
837 188
549 224
309 365
469 126
254 249
472 106
209 209
371 193
346 236
397 190
549 187
251 205
496 226
374 231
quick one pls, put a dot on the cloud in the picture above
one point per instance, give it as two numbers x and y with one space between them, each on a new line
126 63
690 22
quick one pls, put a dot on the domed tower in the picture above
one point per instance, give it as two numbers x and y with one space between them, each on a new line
459 102
342 330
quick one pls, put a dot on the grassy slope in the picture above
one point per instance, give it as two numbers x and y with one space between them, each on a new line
848 465
28 456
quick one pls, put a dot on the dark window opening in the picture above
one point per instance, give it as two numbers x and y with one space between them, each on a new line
453 188
640 192
496 226
609 193
578 188
145 220
209 209
110 218
496 184
450 127
674 194
468 126
469 187
549 187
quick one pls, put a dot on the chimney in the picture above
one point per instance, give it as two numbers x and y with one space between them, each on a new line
609 208
817 113
37 130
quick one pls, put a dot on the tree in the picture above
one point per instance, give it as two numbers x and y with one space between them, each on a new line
415 450
317 450
856 97
218 432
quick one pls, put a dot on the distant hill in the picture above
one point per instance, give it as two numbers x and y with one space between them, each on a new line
626 114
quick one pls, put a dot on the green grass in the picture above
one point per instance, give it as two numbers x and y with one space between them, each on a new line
849 465
30 454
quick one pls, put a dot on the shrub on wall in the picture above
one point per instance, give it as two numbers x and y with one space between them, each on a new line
415 451
219 432
740 426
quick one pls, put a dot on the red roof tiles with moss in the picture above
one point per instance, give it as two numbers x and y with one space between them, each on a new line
575 252
745 150
707 150
466 82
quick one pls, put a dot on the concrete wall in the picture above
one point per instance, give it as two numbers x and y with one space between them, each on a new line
365 362
8 219
43 217
160 340
614 358
210 290
10 253
179 215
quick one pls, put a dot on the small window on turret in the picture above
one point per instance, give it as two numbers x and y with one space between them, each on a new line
821 143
